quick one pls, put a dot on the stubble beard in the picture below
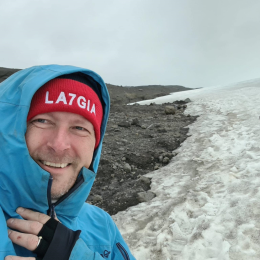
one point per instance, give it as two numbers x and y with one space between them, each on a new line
59 188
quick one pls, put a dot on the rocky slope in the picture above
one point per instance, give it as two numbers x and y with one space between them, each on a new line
139 139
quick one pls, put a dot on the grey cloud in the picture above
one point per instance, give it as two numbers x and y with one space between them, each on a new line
132 42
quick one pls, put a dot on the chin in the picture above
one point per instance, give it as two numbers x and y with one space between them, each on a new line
61 187
56 194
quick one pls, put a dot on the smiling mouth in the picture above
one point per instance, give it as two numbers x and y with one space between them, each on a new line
55 165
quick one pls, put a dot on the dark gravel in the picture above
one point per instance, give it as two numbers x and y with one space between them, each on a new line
139 139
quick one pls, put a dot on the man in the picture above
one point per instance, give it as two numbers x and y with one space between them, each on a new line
53 120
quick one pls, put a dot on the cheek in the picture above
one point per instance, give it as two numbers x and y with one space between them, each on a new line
85 152
88 158
33 139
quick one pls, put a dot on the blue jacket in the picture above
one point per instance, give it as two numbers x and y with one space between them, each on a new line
24 183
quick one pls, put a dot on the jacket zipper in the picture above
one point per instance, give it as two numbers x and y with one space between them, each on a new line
51 210
123 251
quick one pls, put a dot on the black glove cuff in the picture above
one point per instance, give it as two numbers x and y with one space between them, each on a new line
48 230
47 233
62 243
57 241
41 248
52 223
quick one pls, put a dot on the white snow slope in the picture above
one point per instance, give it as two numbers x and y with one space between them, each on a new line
208 197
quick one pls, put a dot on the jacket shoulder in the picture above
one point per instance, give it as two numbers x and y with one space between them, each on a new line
95 218
94 213
101 234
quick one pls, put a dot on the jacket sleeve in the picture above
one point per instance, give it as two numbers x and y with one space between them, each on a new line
6 246
120 250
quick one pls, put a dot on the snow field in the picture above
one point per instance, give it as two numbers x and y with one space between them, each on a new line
208 197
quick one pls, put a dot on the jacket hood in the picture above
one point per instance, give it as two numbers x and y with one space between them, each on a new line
23 182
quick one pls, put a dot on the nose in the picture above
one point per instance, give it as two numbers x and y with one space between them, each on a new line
59 140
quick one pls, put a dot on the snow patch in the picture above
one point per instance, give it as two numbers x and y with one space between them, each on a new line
208 197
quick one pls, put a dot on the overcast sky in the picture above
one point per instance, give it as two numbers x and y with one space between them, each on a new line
194 43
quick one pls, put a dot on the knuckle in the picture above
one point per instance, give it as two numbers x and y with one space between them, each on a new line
14 222
23 211
35 226
32 242
42 218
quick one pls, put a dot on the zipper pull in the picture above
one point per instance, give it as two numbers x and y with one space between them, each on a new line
51 210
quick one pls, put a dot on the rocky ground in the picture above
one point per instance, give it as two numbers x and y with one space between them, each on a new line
139 139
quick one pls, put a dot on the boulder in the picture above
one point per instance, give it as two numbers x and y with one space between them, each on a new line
127 167
169 110
124 124
156 167
146 180
145 196
97 198
136 122
166 160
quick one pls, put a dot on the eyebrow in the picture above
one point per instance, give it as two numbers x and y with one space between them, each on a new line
83 121
80 121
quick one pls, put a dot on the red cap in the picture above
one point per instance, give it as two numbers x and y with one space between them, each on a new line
67 95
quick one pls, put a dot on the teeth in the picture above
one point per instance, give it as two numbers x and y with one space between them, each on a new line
57 165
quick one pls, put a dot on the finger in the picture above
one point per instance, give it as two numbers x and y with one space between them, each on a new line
13 257
25 226
32 215
28 241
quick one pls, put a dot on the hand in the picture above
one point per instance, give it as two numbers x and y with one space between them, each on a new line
30 227
56 239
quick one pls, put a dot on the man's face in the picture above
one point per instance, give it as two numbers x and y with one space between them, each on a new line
61 143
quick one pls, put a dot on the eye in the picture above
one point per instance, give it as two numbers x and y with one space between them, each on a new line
81 131
80 128
40 120
41 123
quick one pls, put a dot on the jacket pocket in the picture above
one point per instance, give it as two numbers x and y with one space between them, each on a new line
123 251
